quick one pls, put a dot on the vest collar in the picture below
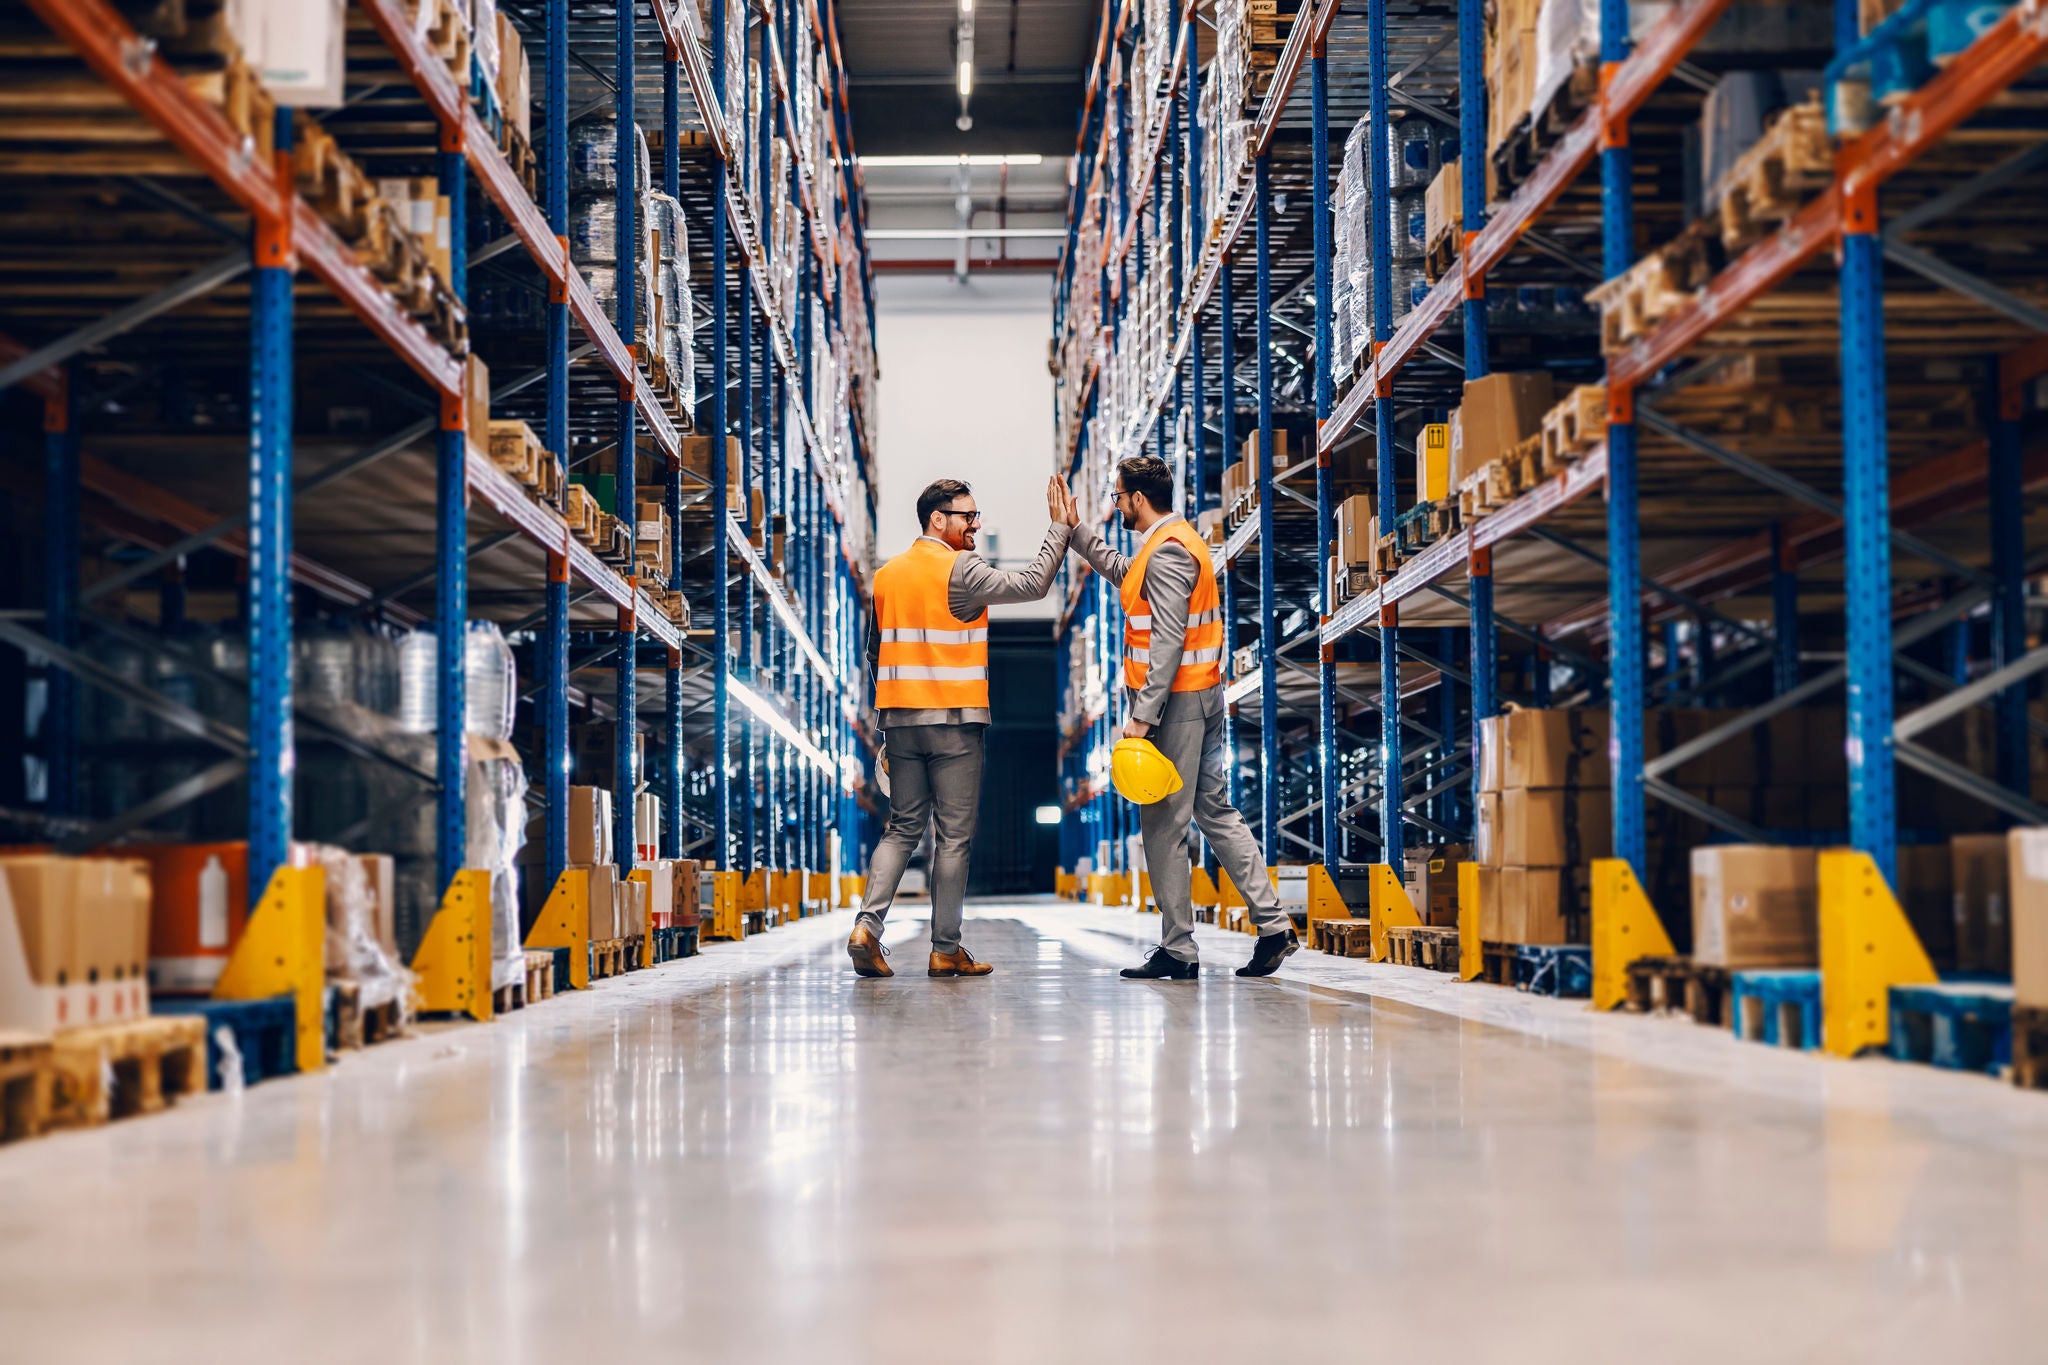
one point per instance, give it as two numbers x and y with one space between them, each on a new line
1165 523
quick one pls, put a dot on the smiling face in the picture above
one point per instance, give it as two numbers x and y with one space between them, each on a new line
1127 506
956 522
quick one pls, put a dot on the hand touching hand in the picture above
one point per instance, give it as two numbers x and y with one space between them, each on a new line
1060 502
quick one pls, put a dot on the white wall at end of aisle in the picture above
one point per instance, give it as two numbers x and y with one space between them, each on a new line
967 397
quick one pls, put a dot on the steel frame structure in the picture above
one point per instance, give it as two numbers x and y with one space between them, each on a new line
813 721
1865 526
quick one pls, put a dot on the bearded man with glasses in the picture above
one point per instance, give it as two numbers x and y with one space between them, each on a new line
928 651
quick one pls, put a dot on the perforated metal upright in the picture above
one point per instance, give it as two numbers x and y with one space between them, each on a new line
1269 653
1483 657
1387 500
1326 491
1624 573
721 522
553 644
271 753
451 556
625 766
672 483
1226 413
1197 234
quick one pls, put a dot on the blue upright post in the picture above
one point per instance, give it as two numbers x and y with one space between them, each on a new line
748 427
1226 413
1326 488
672 109
672 768
1388 493
625 763
62 554
1624 574
1784 612
1484 658
721 627
271 745
451 559
553 644
2009 593
1269 654
1198 444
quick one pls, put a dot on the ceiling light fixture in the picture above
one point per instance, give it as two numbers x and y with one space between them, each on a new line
948 162
963 59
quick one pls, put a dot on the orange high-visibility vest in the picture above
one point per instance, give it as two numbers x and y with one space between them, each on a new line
930 658
1201 658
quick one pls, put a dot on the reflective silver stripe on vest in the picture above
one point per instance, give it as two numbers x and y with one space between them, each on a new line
1139 622
1202 656
920 673
920 635
1138 656
1205 618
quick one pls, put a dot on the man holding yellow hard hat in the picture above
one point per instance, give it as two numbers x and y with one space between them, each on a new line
1172 760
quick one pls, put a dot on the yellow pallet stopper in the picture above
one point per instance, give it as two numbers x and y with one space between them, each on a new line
1202 888
1471 951
452 969
1324 902
1867 946
565 923
728 913
1625 927
283 950
1389 906
1143 899
854 886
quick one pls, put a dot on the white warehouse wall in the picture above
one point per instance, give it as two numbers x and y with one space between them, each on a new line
965 394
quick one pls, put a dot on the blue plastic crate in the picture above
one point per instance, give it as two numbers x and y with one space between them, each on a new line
1781 1008
1554 969
1958 1026
265 1033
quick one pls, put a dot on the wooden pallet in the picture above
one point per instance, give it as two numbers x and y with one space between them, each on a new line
580 510
330 180
540 974
26 1069
237 91
520 156
1344 937
613 542
445 32
2030 1047
1771 182
1632 304
1354 581
1677 983
1525 145
1413 945
1443 518
505 999
1441 252
110 1071
1573 427
515 449
607 957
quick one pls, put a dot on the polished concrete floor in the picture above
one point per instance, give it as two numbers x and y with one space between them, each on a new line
753 1156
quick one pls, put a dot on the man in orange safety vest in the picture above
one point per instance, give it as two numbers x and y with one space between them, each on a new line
928 650
1173 668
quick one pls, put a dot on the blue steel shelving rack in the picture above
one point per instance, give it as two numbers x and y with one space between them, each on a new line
801 704
1845 213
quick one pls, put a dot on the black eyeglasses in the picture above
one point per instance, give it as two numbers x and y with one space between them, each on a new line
973 518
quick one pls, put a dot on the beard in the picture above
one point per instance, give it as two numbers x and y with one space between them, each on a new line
967 540
1130 520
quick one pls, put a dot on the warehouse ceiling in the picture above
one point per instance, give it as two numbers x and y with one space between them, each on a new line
1030 59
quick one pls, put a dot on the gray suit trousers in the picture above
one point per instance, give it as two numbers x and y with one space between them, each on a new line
1195 747
934 779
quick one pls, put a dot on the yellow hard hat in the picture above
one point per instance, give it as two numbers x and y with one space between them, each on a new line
1141 773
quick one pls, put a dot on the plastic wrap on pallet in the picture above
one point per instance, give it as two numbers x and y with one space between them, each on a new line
1410 227
496 809
665 216
354 951
604 284
490 684
594 232
593 156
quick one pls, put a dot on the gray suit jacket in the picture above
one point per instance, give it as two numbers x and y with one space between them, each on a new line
1170 577
975 586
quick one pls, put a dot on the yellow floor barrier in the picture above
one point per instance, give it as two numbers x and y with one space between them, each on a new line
726 916
1388 906
1143 901
854 888
1202 888
1324 902
1867 946
1471 914
283 950
565 923
1625 927
452 969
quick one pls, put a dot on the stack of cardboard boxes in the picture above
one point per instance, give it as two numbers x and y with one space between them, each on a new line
1430 874
1497 413
1545 812
590 850
76 941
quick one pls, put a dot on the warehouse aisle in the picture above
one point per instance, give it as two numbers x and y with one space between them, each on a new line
755 1157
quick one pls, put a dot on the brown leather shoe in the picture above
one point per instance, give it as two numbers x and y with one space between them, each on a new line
869 957
959 963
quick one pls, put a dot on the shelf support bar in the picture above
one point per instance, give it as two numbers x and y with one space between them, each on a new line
270 532
451 561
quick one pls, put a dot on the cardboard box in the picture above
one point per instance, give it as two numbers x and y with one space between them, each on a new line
298 47
1500 411
604 901
1354 531
476 401
1493 740
1433 472
697 454
40 887
1460 467
1978 879
1431 876
632 909
1555 748
1249 452
1538 905
1443 203
688 903
1489 905
1754 905
661 892
2027 869
1486 830
590 825
1556 827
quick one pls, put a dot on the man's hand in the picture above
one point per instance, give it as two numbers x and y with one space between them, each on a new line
1137 729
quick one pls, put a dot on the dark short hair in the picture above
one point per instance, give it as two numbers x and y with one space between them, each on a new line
937 494
1150 475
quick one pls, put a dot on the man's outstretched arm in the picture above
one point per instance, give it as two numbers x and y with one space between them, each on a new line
976 583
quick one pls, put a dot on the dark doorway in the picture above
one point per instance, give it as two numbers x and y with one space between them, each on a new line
1014 854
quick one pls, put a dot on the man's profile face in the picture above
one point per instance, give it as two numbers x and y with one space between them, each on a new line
957 522
1127 508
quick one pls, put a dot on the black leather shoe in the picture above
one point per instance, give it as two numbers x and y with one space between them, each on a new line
1163 966
1272 950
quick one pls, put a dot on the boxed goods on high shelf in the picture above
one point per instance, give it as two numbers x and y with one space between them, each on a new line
1416 151
1544 813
